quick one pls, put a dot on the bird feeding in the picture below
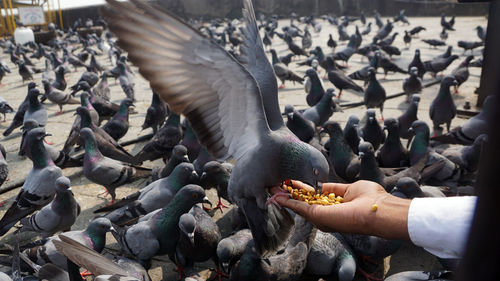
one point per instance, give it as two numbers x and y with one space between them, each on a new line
311 197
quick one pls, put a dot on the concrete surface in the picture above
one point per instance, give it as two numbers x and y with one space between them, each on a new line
407 258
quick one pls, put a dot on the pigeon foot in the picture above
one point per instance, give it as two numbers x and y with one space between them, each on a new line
368 276
219 275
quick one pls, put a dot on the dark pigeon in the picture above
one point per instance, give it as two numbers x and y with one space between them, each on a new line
371 131
374 93
156 114
118 126
392 154
443 108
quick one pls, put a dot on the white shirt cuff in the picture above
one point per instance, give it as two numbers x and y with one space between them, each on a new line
441 225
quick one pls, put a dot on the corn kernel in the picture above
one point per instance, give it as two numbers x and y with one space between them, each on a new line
374 207
311 197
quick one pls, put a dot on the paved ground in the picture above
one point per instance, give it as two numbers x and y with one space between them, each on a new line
408 257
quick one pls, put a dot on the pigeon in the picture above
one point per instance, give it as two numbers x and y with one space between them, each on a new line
466 157
160 233
106 171
401 17
230 249
392 154
80 255
343 36
35 111
75 128
359 38
88 76
93 237
338 78
416 30
95 66
364 73
438 64
126 82
416 62
411 189
481 33
407 38
288 264
105 108
441 275
106 144
118 126
443 35
323 110
3 70
57 96
300 126
374 93
59 215
367 29
198 239
344 161
154 196
331 42
446 24
306 39
477 63
443 109
298 51
5 108
190 141
351 135
469 45
60 158
287 59
378 20
317 91
346 53
156 114
247 187
283 72
413 84
371 131
17 121
472 128
217 175
408 117
102 89
179 155
461 73
60 82
162 143
434 42
39 187
330 255
25 71
384 31
4 167
388 65
204 156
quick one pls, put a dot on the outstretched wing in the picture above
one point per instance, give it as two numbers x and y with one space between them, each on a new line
194 75
254 58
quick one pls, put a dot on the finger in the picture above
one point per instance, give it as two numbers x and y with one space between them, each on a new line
337 188
299 207
300 185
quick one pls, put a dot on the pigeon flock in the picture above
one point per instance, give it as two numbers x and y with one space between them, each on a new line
219 118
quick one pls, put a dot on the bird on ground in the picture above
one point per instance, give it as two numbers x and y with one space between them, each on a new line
416 30
58 215
346 53
434 42
58 97
413 84
392 154
256 95
179 155
118 126
481 33
443 109
300 126
155 114
384 31
408 117
88 76
472 128
466 157
469 45
443 35
338 78
367 29
230 249
438 64
317 91
351 134
323 110
60 82
417 62
387 65
411 189
190 141
461 73
283 72
331 42
39 187
298 51
371 131
35 111
374 93
445 24
4 69
407 39
17 121
5 108
447 53
217 175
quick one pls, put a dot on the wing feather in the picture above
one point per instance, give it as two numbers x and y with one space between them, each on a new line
194 75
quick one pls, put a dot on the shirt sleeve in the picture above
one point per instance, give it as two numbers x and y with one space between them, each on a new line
441 225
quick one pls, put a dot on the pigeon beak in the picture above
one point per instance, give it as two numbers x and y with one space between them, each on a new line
48 135
203 177
185 158
361 155
205 200
112 229
191 238
411 130
194 178
290 115
224 266
322 131
384 128
371 119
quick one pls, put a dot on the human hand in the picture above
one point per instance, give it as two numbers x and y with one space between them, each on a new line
355 214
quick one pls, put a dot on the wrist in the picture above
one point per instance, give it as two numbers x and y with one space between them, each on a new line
389 219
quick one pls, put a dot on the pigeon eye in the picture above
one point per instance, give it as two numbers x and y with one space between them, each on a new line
195 196
316 171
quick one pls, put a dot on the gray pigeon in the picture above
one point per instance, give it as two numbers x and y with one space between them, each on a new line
120 268
392 154
330 255
36 111
317 91
198 239
160 233
443 108
323 110
217 175
472 128
283 72
203 157
59 215
254 134
408 117
371 131
106 171
39 187
303 128
88 76
156 114
5 108
17 121
190 141
117 127
94 237
411 189
156 195
231 248
461 73
413 84
438 64
126 81
57 96
467 157
374 93
338 78
351 135
179 155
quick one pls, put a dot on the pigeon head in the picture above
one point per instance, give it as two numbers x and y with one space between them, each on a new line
311 73
29 124
184 173
37 135
352 121
31 85
417 52
391 124
419 126
314 63
332 128
225 254
303 162
449 80
330 93
63 183
408 187
370 115
187 225
414 71
415 98
371 72
33 94
96 232
60 70
191 194
180 152
20 62
365 150
288 109
83 85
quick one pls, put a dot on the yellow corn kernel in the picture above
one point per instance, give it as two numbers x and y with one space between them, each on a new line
374 207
